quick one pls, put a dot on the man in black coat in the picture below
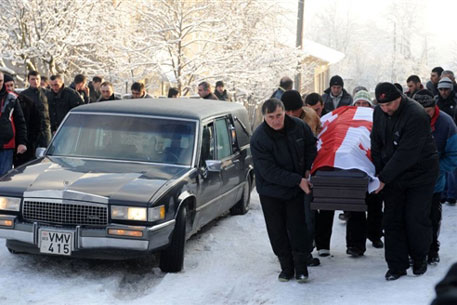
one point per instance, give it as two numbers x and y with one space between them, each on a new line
80 86
61 100
283 149
13 131
204 90
335 96
446 99
32 117
406 161
38 95
220 92
432 84
107 92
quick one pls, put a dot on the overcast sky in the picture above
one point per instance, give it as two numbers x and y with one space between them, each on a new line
436 19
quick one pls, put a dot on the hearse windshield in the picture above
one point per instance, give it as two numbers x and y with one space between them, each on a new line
133 138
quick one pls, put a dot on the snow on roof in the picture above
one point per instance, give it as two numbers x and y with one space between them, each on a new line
322 52
167 74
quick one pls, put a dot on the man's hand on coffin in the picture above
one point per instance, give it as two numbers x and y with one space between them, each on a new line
305 186
381 186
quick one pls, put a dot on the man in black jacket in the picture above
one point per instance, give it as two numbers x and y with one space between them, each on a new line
61 100
446 100
13 132
335 96
107 92
406 161
38 95
220 92
80 86
283 149
204 90
432 84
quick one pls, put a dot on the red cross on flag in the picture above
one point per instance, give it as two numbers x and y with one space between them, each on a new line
344 142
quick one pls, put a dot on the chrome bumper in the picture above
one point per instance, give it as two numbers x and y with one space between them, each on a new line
88 238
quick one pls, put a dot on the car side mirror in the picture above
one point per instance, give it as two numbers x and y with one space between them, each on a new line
39 152
213 165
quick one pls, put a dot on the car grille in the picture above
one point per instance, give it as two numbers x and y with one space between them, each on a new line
73 213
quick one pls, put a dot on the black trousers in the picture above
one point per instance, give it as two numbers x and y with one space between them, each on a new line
407 223
361 225
324 226
436 221
310 217
374 216
286 225
356 231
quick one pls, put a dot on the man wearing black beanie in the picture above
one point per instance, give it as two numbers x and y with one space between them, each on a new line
406 162
335 95
293 104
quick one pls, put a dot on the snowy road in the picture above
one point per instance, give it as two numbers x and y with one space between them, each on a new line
229 262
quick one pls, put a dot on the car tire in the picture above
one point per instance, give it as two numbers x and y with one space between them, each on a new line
242 206
172 258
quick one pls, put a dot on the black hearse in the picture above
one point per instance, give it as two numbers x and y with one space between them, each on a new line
127 178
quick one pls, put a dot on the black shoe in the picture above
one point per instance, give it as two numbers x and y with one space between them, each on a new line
354 252
323 252
451 201
392 275
443 200
285 276
419 267
302 277
377 243
433 258
313 262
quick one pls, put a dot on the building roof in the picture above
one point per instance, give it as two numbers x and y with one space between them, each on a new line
198 109
322 52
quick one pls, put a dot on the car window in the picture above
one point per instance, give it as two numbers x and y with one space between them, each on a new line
208 142
125 138
223 140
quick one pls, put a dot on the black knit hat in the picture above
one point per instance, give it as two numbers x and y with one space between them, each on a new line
399 87
386 92
292 100
336 80
425 98
7 78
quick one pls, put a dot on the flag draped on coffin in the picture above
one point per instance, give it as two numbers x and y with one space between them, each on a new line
344 142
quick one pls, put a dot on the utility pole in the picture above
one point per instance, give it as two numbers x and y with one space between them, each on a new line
299 43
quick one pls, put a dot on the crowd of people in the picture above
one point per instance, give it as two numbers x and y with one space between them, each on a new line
413 150
30 117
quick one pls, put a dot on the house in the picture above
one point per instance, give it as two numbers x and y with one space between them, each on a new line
316 61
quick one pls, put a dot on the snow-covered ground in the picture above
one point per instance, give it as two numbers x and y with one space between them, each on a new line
228 262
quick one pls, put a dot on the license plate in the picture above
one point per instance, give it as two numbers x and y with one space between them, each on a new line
56 242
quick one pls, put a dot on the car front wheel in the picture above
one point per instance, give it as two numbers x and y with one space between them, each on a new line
172 258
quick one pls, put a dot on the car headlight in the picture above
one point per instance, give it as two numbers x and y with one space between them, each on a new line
156 213
10 204
128 213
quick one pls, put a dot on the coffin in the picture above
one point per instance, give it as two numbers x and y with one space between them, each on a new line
339 189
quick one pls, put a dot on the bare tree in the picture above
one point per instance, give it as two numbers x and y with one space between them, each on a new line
47 34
